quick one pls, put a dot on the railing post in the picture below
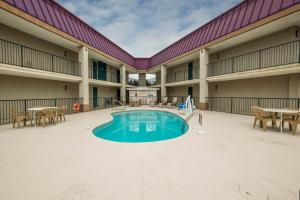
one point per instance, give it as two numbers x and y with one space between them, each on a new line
25 105
231 105
52 63
298 103
232 64
299 51
259 62
22 61
55 102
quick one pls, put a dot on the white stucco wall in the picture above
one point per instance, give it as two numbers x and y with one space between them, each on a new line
274 39
16 87
183 90
104 91
13 35
275 86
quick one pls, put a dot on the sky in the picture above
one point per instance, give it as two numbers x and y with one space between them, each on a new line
144 27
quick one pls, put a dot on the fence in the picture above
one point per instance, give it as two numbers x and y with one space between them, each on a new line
282 54
21 105
182 75
101 102
15 54
242 105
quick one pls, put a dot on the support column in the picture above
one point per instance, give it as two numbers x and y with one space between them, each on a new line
142 79
123 82
83 58
203 85
163 89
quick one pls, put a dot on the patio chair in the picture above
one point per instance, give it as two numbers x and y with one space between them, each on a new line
263 117
293 123
48 114
164 102
19 117
131 103
61 113
152 103
174 102
286 117
169 105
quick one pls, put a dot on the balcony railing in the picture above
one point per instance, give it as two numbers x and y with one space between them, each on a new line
151 82
101 102
22 105
110 76
282 54
16 54
182 75
242 105
132 81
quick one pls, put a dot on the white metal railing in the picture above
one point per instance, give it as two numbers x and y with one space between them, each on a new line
120 107
191 110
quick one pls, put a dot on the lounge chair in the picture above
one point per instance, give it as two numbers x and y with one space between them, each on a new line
19 117
164 102
263 117
169 105
293 123
173 104
152 103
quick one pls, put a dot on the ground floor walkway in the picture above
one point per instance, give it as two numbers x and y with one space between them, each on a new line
224 159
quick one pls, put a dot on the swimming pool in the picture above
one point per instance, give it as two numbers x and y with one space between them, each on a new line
142 126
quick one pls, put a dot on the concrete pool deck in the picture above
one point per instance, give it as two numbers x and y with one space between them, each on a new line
224 159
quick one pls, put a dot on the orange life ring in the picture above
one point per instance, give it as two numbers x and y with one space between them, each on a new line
76 107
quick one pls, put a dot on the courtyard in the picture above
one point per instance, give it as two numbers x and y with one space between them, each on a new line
225 158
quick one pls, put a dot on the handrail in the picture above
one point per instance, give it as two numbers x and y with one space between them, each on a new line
251 52
24 56
258 59
115 100
191 115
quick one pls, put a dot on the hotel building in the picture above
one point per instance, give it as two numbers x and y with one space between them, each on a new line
246 56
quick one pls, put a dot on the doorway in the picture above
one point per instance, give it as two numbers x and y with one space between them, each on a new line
118 94
95 97
190 91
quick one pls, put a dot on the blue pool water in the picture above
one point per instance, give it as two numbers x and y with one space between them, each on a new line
142 126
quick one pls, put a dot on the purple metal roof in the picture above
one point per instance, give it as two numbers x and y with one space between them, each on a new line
243 14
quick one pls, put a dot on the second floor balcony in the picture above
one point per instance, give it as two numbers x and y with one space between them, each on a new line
132 81
151 82
19 55
105 75
182 75
279 55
